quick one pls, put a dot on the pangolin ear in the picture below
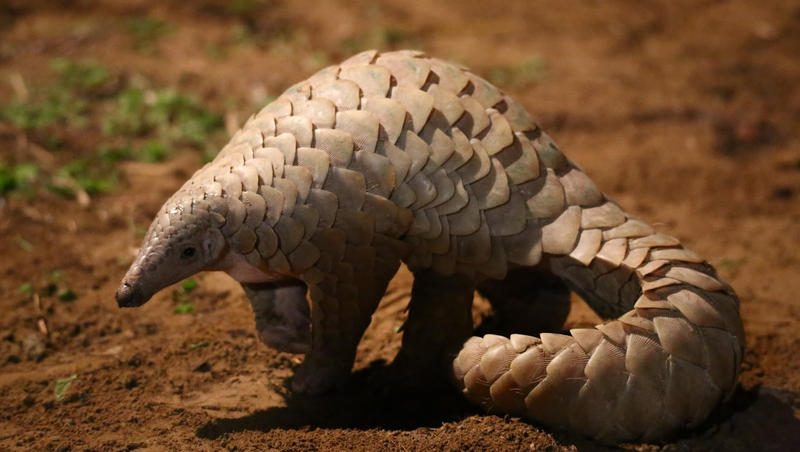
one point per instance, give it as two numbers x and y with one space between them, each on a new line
214 243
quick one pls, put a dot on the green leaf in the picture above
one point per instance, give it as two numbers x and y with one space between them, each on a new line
198 345
23 244
26 174
25 289
61 387
7 182
20 178
66 294
184 308
189 285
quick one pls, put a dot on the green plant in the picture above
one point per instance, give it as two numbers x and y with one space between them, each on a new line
20 178
115 154
182 296
25 289
49 107
153 151
189 285
242 8
216 52
152 123
240 34
146 32
380 36
23 244
183 118
184 308
90 173
62 101
529 71
66 294
174 117
127 116
83 75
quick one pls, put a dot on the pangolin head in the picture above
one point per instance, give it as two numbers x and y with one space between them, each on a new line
184 239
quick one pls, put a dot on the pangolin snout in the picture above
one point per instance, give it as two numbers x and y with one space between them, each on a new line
129 295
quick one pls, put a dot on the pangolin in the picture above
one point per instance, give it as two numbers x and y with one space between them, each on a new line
398 157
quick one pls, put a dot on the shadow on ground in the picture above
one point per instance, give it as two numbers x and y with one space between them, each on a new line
762 419
358 407
765 419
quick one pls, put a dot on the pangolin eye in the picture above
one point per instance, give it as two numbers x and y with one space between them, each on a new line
188 252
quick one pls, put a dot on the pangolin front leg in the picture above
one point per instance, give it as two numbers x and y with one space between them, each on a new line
283 318
344 294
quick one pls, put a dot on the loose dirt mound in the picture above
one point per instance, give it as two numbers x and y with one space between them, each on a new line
685 112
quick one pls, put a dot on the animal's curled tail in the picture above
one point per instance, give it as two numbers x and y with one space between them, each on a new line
662 366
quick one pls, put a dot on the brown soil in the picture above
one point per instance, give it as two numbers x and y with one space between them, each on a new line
686 112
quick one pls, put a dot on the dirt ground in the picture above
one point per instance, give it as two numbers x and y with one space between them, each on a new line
685 111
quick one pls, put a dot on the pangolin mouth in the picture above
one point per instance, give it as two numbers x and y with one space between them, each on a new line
130 296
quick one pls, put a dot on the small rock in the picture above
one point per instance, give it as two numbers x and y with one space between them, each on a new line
735 136
202 367
136 360
29 401
34 348
239 332
115 350
131 382
793 165
74 330
783 193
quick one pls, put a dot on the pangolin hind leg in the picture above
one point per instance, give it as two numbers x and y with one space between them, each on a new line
283 318
528 301
439 321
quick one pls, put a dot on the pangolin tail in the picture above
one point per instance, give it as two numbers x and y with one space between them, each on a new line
660 367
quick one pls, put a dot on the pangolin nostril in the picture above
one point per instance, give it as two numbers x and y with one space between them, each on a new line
125 295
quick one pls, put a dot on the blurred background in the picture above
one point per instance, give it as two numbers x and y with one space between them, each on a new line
686 112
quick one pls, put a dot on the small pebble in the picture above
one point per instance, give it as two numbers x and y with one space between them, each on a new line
34 348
